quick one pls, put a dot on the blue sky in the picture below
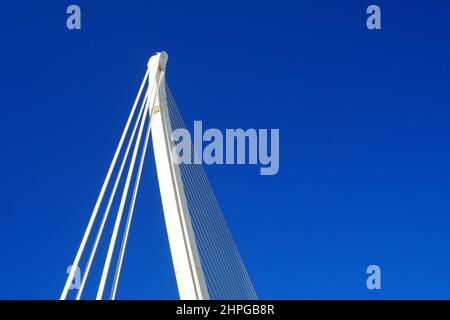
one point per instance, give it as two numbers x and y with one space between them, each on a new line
364 139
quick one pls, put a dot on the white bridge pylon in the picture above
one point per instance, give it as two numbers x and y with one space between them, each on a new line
185 256
157 114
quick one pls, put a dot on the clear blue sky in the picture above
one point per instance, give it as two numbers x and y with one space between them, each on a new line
364 126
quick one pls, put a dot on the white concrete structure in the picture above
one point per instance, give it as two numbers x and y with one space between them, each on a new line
225 274
186 260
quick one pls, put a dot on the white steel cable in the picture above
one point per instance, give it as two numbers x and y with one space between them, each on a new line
200 235
111 198
129 217
100 197
231 241
120 212
181 216
220 236
204 233
133 199
218 247
249 290
122 202
211 252
229 236
214 242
